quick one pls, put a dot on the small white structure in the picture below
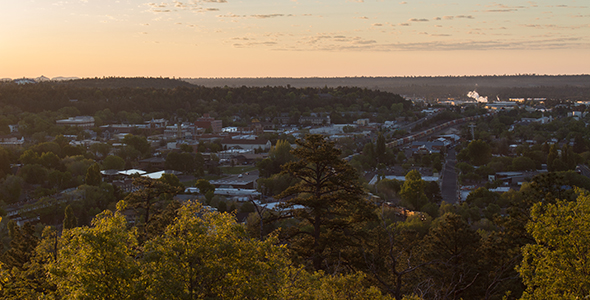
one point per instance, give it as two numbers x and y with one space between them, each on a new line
132 172
158 175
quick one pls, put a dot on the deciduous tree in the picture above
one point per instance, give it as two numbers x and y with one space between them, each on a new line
556 265
98 262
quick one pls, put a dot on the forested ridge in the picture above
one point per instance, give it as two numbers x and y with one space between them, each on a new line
88 100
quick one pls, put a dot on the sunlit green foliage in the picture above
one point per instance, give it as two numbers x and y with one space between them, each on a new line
556 265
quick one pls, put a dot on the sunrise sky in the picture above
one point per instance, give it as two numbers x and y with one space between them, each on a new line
292 38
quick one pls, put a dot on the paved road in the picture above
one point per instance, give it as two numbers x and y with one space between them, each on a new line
449 181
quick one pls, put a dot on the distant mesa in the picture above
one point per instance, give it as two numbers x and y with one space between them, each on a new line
105 82
41 78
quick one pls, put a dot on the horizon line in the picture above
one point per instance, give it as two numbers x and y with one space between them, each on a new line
302 77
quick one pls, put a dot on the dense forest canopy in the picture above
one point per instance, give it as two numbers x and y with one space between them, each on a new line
222 100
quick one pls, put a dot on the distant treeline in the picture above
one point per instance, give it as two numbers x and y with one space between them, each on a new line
121 82
89 96
574 87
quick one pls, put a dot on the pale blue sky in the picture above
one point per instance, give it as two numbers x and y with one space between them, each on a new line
227 38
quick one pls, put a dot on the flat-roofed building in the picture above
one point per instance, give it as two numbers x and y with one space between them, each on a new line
78 121
242 181
207 122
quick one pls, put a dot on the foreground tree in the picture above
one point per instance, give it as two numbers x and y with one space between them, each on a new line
207 255
29 280
328 201
393 256
453 245
97 262
557 266
200 255
149 192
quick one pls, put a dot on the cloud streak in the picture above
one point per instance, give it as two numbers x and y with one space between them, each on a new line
193 6
259 16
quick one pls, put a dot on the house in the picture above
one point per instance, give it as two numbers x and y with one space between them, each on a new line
157 123
315 120
450 137
362 122
245 143
578 114
508 177
542 120
429 147
180 131
125 185
12 141
282 120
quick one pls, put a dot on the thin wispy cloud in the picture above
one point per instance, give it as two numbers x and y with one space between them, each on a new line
177 6
260 16
474 45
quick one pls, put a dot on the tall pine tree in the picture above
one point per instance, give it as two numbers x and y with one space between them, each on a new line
328 200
